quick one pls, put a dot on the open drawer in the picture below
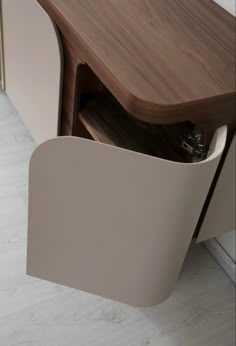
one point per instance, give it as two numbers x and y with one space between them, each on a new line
111 221
102 118
107 122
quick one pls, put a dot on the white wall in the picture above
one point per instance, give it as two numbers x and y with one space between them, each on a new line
1 49
229 5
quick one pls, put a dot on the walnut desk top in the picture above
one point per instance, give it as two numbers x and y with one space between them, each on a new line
164 60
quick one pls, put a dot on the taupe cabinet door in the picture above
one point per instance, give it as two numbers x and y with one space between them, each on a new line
112 221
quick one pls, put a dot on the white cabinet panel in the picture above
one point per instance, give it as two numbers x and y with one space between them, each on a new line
228 242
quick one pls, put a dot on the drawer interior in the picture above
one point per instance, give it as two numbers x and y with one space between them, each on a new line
103 119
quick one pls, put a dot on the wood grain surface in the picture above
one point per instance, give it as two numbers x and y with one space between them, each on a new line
163 60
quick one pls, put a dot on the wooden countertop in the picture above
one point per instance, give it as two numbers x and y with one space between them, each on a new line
159 58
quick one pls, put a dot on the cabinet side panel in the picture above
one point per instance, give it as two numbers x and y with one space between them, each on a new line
33 64
220 216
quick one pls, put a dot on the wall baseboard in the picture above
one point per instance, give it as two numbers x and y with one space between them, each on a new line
221 256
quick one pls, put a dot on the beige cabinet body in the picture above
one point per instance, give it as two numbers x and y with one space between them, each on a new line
103 219
220 216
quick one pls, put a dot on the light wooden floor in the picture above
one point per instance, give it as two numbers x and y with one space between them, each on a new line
34 312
